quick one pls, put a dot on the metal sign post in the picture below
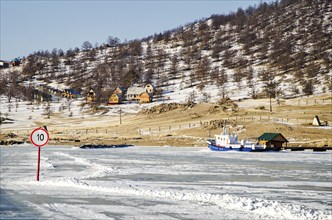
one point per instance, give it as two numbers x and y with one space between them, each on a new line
39 137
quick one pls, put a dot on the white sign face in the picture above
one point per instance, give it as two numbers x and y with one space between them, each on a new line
39 137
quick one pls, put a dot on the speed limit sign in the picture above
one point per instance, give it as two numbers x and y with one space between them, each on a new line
39 137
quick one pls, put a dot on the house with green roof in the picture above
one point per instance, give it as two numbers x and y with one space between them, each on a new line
272 141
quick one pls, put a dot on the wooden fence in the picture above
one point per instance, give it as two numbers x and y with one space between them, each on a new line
305 102
115 131
290 121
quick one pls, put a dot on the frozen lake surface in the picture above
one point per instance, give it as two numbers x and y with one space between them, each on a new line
164 183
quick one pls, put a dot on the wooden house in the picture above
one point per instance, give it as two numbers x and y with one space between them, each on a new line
4 64
66 94
115 99
145 97
118 95
91 97
15 62
150 88
71 93
272 141
133 93
120 90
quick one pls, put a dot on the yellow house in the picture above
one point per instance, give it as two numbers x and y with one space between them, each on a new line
145 97
115 99
67 95
150 88
91 97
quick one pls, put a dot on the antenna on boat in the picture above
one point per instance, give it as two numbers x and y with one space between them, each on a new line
224 130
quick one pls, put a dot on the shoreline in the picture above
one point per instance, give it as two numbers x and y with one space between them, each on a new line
149 143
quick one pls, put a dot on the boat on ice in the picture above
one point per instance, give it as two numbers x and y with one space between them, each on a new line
230 142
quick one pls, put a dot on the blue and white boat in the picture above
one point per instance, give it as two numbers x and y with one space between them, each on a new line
229 142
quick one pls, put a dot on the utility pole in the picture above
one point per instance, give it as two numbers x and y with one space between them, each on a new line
270 90
270 102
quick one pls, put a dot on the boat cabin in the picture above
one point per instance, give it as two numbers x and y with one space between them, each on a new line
225 139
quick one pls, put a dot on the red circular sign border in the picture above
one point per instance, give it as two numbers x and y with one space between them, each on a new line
37 145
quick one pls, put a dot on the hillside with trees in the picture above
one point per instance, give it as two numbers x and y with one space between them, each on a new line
282 49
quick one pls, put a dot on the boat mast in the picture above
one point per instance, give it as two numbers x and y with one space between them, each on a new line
224 128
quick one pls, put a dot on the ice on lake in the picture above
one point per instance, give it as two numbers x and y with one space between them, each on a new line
164 183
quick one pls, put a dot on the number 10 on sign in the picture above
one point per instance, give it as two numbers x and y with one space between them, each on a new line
39 137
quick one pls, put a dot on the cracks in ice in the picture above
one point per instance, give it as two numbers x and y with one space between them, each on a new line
259 207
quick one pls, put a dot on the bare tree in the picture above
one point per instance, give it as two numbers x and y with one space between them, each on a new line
86 46
308 88
202 71
48 110
223 91
222 78
191 98
250 75
270 84
174 66
112 41
238 74
206 97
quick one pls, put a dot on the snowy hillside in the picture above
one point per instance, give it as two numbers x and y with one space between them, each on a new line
278 50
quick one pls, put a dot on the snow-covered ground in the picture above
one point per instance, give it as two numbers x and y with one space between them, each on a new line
164 183
24 114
